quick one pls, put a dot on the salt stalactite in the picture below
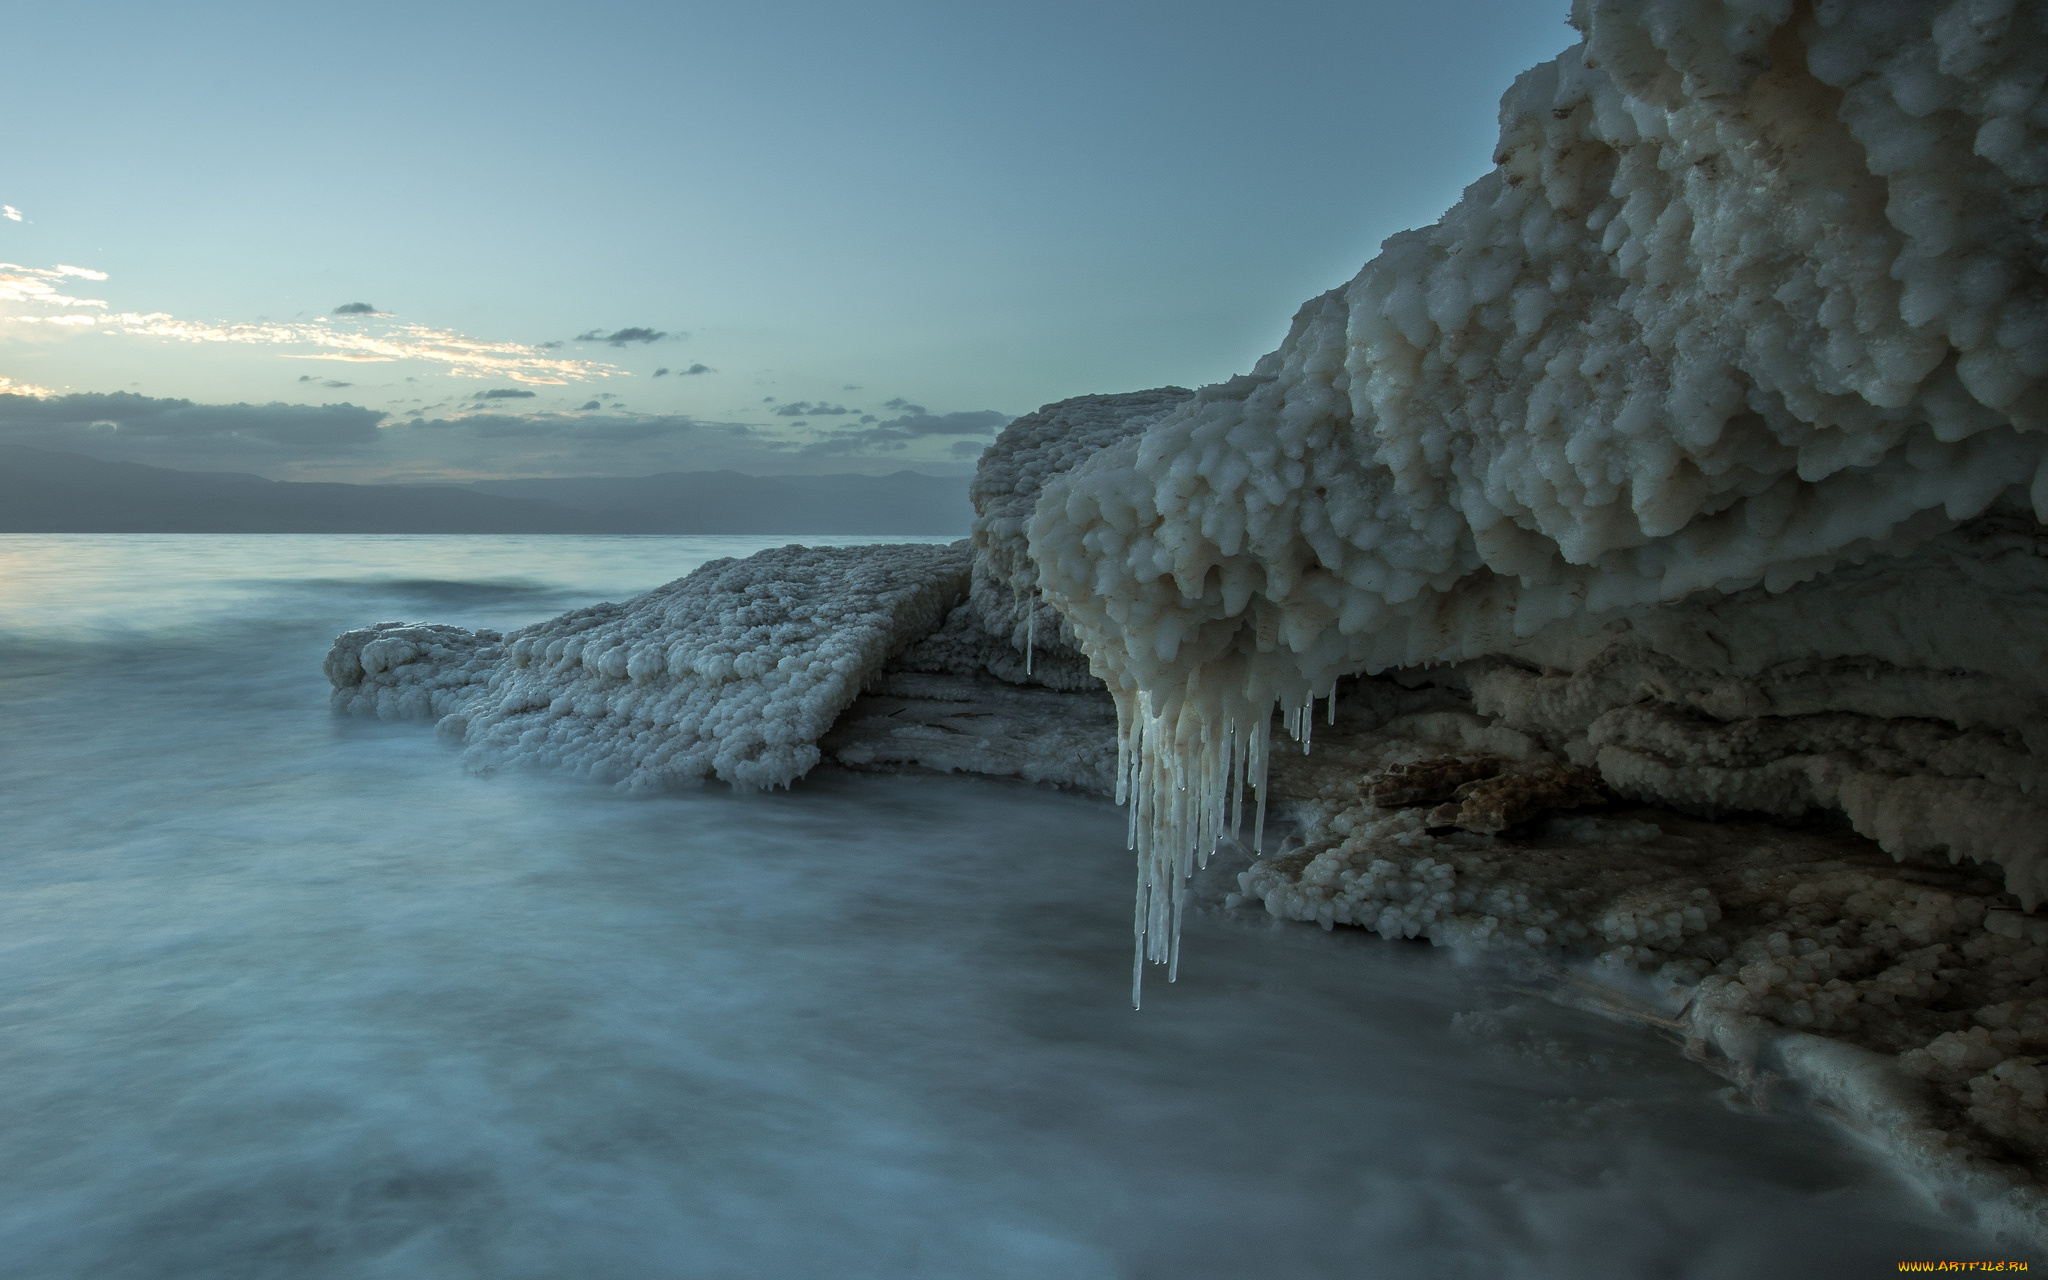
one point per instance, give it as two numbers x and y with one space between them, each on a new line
1030 629
1753 300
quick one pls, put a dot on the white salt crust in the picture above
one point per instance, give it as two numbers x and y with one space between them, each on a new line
738 670
1743 938
1031 641
1754 298
733 672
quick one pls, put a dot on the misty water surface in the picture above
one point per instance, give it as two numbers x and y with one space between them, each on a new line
286 995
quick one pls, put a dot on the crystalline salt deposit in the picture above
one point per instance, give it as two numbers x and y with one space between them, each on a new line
1754 298
732 672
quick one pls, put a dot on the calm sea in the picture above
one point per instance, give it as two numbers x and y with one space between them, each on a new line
287 995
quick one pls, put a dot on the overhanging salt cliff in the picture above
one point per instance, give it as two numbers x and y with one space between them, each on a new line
1706 430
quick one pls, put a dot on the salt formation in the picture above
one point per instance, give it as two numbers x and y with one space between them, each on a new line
1905 995
1005 628
1710 419
999 688
732 672
740 669
978 724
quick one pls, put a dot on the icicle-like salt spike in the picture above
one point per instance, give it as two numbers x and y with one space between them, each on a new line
1238 777
1030 629
1182 770
1333 702
1262 737
1177 770
1127 753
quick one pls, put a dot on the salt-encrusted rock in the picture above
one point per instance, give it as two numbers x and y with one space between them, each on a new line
1754 298
979 724
965 646
409 670
1907 996
1426 781
1006 628
733 672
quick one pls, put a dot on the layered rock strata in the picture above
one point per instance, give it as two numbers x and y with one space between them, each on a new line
1903 994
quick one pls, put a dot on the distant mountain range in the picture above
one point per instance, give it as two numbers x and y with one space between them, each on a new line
47 492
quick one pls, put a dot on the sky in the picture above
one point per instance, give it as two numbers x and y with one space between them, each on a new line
447 240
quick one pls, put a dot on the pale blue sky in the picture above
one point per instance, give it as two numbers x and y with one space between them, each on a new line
968 208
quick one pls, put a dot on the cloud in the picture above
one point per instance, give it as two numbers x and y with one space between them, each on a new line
358 309
126 427
805 409
841 446
900 433
501 438
9 387
661 372
328 382
694 370
981 422
459 354
900 405
39 285
597 443
621 337
504 393
10 213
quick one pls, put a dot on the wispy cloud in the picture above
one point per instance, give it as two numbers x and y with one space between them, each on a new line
10 213
9 387
349 340
805 409
621 337
39 284
358 309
